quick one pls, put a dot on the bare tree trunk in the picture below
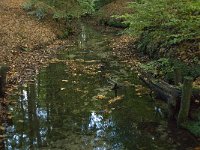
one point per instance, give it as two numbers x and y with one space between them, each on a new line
185 100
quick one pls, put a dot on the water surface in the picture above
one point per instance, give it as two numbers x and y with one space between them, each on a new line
86 99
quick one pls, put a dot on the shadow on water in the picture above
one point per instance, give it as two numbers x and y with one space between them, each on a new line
89 100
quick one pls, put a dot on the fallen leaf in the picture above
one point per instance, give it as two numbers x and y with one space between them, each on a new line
100 97
2 128
65 81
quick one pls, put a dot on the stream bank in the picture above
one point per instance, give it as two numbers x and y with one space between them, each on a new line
33 95
75 103
26 45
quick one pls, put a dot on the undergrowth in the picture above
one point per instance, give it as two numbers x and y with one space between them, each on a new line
193 127
164 68
162 24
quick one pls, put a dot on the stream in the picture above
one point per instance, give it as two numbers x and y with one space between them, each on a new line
88 99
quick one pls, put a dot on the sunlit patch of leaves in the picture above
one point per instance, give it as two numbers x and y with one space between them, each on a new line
141 90
77 68
100 97
115 99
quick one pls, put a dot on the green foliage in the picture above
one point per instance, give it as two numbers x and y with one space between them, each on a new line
39 13
182 15
116 23
74 8
67 32
163 23
164 68
101 3
187 70
193 127
28 6
113 23
61 8
159 67
60 14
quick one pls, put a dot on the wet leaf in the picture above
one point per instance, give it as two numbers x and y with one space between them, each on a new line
2 128
115 99
10 117
100 97
20 121
65 81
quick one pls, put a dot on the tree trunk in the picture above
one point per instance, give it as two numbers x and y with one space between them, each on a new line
185 100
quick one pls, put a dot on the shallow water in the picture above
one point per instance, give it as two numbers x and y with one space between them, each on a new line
87 99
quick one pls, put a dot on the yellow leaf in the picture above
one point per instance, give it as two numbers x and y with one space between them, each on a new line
20 121
100 97
62 89
115 99
65 81
2 128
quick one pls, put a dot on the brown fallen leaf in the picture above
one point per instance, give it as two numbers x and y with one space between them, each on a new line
100 97
115 99
2 128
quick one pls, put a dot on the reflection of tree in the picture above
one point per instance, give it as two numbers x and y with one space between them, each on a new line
65 108
66 105
132 112
54 101
23 114
34 126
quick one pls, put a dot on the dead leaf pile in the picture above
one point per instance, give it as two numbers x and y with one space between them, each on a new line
77 67
26 44
117 7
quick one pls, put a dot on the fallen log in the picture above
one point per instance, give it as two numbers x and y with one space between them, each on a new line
185 101
170 93
164 89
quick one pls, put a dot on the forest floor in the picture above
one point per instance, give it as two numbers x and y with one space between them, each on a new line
26 43
124 45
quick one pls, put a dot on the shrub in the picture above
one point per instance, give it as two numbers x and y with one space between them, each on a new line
163 23
60 8
164 68
193 127
28 6
39 13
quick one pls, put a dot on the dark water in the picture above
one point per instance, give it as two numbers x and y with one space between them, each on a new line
88 100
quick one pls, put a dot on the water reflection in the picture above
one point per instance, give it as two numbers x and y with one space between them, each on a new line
95 121
82 41
27 128
60 110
